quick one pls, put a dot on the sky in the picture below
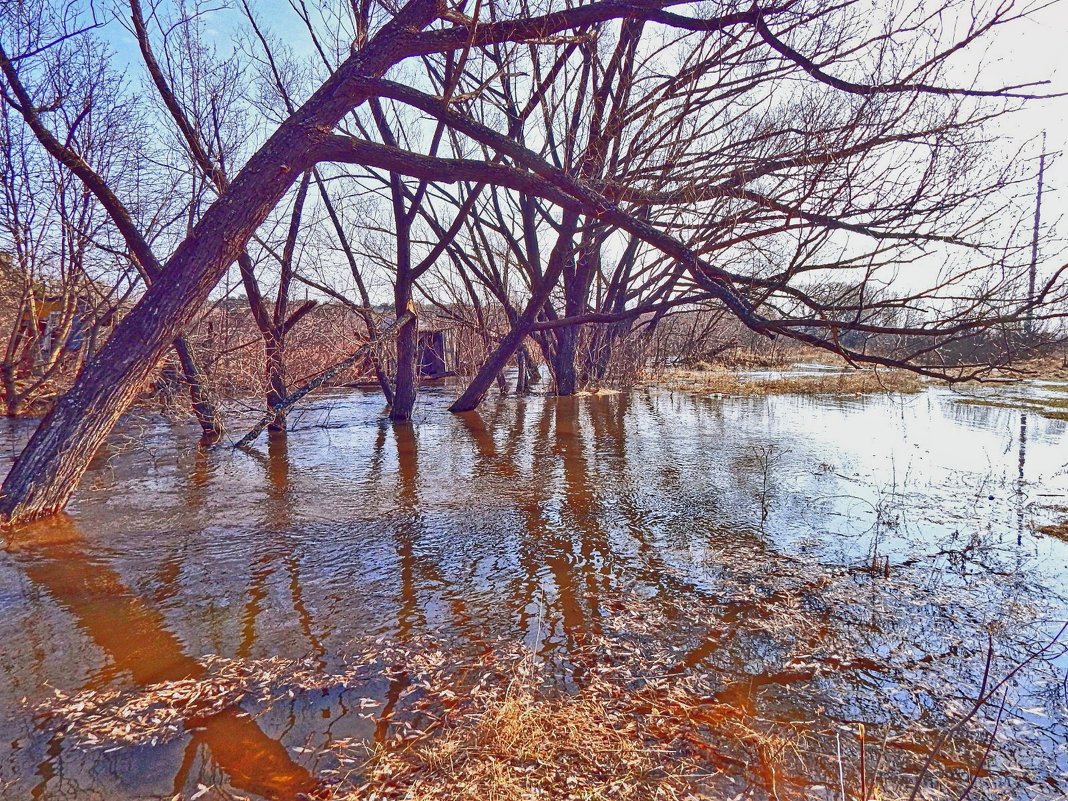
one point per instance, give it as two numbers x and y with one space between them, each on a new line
1037 49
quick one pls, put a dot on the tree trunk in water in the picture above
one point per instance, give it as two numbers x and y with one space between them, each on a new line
12 398
483 380
521 328
533 373
564 361
383 380
407 383
276 382
47 471
322 379
522 384
204 407
45 474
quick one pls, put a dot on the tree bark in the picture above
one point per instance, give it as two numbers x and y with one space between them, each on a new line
564 361
522 383
12 397
276 382
406 384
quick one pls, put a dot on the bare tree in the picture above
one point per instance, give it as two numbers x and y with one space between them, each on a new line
804 139
75 87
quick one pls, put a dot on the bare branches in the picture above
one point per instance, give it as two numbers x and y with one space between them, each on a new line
21 101
282 405
906 87
573 176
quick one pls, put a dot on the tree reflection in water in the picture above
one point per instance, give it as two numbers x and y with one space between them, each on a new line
543 521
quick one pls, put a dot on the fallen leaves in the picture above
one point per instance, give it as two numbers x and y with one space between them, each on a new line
160 712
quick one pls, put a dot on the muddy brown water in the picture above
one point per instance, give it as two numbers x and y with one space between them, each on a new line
902 525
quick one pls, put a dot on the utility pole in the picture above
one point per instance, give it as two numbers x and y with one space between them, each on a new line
1029 323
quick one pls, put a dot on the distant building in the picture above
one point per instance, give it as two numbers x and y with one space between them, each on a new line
437 345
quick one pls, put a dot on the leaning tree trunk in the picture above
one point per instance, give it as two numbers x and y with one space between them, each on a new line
498 360
45 474
524 324
382 378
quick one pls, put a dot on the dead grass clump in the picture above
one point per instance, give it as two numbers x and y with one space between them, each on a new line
631 723
519 741
525 746
1057 530
853 382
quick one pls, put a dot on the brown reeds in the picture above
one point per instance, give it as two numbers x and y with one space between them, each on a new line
851 382
604 742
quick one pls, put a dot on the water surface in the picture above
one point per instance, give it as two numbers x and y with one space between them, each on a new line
838 561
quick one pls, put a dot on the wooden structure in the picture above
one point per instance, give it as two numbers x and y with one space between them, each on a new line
437 352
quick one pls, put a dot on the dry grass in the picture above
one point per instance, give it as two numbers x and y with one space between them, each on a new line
634 730
772 358
1049 367
636 725
526 746
739 357
624 735
629 722
1056 530
853 382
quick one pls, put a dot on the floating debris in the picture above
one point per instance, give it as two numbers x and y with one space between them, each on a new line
630 714
160 712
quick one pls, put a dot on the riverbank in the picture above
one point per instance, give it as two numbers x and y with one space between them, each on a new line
628 715
801 370
803 380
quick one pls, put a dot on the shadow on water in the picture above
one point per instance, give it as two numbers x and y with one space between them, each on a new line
751 524
136 640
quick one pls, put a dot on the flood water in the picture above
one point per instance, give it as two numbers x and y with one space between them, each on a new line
828 561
